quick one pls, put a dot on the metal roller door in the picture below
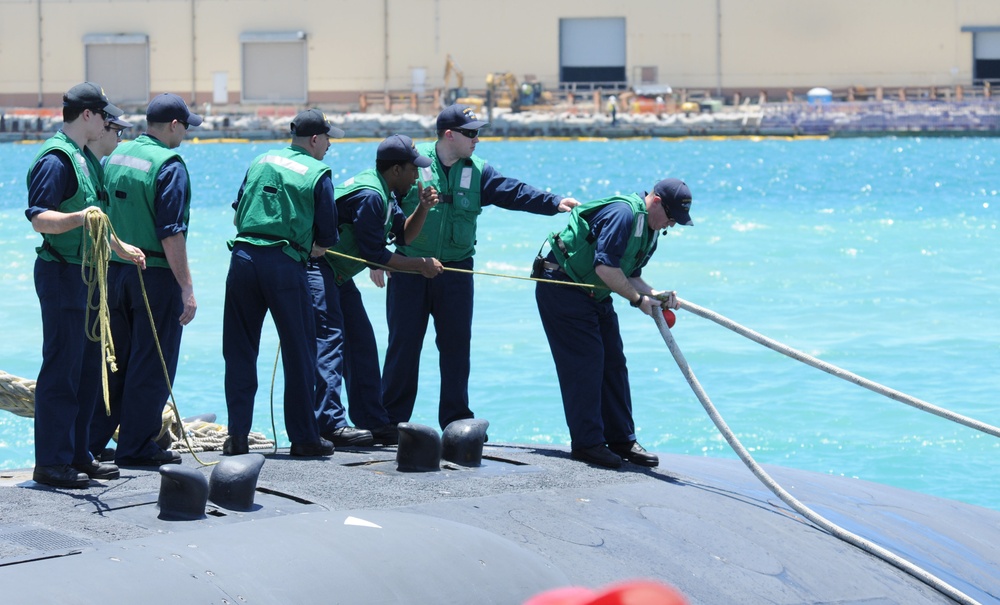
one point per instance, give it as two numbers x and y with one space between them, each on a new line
274 67
986 61
592 50
119 63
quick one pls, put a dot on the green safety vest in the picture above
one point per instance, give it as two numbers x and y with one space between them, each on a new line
278 207
65 247
95 167
574 247
130 174
449 231
345 268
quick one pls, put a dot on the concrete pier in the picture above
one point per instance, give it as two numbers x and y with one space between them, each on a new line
980 117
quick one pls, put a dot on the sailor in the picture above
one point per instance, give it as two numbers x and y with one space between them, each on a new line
63 186
109 140
103 146
605 245
465 183
285 214
370 218
149 202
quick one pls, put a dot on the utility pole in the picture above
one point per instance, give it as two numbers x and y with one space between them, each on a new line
41 87
718 48
385 48
194 57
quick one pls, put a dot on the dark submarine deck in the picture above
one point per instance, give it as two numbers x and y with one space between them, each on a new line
353 529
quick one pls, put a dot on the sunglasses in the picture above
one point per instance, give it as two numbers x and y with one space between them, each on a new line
118 131
465 132
184 124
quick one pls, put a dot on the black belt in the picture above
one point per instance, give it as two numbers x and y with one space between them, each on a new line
556 272
51 250
274 238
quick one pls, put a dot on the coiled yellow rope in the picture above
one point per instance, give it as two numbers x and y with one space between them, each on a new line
95 253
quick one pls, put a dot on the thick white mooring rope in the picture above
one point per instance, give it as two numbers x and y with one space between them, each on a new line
817 519
838 372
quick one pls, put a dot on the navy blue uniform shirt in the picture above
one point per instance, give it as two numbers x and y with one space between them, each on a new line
366 210
612 225
512 194
53 181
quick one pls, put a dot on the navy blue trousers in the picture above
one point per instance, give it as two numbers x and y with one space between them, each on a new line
346 353
590 362
263 279
69 381
138 390
410 301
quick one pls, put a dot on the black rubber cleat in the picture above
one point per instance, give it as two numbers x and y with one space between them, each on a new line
347 436
419 448
60 475
102 471
320 448
462 441
635 453
236 445
597 454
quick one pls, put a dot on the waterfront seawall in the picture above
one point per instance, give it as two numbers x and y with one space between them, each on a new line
884 118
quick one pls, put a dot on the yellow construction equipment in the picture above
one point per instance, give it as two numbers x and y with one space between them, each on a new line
503 90
459 93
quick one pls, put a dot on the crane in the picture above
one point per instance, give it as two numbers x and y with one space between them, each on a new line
452 95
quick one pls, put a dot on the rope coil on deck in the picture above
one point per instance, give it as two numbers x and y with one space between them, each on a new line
744 455
17 395
204 436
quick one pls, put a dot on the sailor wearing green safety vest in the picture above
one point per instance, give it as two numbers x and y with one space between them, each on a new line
63 185
370 219
465 184
606 244
285 214
149 202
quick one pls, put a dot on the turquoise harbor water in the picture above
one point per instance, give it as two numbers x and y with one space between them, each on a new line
877 255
